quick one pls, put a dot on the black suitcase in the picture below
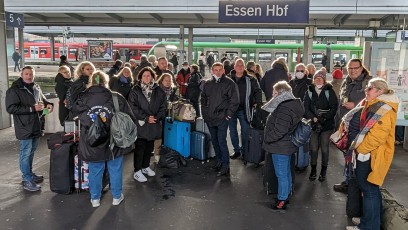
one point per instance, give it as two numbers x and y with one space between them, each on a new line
354 204
254 152
62 168
270 181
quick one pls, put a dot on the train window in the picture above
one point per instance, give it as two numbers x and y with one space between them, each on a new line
215 54
281 54
143 52
231 54
43 51
294 57
251 56
265 56
340 58
72 51
317 58
25 50
55 51
244 55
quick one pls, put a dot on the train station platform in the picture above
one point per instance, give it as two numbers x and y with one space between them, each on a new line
190 197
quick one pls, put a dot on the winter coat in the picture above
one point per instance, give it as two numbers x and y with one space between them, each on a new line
255 96
61 87
315 106
280 125
193 87
123 88
113 71
97 100
219 100
271 77
181 79
336 83
379 141
142 109
16 57
77 88
20 102
300 86
142 65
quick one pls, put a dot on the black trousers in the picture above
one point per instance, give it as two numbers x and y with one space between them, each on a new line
16 65
142 153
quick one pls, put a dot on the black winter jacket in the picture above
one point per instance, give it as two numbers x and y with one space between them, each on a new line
321 103
271 77
280 125
142 109
219 100
123 88
61 87
77 88
142 64
98 100
193 87
300 86
20 102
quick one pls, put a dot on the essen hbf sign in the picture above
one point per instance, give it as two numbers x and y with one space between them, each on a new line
263 12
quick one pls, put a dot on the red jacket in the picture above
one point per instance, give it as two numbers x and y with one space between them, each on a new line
182 78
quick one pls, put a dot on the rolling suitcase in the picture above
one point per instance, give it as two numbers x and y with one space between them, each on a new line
253 146
202 127
302 158
81 174
177 136
62 168
199 146
270 181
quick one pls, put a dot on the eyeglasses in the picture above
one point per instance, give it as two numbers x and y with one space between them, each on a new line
355 68
300 71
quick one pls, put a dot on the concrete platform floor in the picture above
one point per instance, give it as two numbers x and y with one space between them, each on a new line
186 198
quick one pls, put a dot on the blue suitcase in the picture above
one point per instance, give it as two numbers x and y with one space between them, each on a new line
199 146
302 158
177 136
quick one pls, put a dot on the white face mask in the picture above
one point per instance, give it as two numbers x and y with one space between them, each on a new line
319 86
185 67
299 75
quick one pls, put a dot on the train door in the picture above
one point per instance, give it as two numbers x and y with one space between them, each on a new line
286 54
71 53
264 58
248 54
26 52
33 52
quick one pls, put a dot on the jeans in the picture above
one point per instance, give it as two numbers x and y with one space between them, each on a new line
281 163
27 149
372 199
321 140
95 177
219 141
142 152
238 115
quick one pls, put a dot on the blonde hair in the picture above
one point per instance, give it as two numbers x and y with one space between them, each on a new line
80 68
258 68
282 86
62 68
161 79
304 67
381 84
98 78
123 69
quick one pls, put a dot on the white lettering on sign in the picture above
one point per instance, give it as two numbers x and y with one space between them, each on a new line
276 10
230 10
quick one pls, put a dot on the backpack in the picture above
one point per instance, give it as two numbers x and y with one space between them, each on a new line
302 133
98 133
326 92
123 131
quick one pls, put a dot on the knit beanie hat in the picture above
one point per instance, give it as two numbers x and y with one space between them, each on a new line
337 74
321 74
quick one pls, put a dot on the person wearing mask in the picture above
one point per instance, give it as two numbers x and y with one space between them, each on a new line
300 82
311 69
26 102
351 93
219 101
182 78
374 149
337 80
278 72
122 83
286 112
97 101
148 103
193 88
63 81
320 104
250 95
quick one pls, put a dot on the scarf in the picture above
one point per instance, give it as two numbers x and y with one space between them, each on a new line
147 90
167 91
272 104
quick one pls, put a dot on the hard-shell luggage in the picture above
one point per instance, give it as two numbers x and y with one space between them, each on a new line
199 146
302 159
253 146
177 136
62 167
202 127
270 181
81 174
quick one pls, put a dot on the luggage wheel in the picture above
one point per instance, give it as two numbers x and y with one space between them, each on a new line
202 162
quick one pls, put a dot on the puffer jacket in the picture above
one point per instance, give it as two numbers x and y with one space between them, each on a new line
379 141
98 100
271 77
142 109
300 86
280 125
20 103
76 89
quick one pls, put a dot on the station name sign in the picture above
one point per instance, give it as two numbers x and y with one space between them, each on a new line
263 12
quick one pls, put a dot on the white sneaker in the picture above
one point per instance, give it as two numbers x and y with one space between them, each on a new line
352 228
356 220
117 201
139 176
96 203
148 171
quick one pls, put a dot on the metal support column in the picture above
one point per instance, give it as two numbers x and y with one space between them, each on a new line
21 44
52 41
190 46
5 120
181 48
308 44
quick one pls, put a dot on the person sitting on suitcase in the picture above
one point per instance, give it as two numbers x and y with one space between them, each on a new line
286 112
96 103
148 103
250 95
219 101
26 102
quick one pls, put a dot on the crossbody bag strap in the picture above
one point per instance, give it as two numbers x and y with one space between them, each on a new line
115 102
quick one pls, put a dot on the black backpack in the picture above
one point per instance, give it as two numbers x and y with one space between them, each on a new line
98 133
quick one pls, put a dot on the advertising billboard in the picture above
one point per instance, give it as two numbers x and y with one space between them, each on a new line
100 50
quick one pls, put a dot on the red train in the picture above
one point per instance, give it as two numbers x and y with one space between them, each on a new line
42 50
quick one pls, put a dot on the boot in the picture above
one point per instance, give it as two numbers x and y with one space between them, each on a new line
322 176
313 173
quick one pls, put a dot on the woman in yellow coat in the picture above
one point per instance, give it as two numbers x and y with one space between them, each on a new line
374 148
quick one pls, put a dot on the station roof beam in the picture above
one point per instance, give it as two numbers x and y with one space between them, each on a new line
340 19
200 18
157 17
115 16
388 19
38 16
76 16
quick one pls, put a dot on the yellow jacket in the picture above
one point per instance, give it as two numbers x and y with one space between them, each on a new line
380 139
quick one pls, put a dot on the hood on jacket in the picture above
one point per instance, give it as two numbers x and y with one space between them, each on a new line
390 99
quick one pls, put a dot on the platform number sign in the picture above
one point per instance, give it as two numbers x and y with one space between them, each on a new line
14 20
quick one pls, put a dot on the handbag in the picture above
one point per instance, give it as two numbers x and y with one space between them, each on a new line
340 139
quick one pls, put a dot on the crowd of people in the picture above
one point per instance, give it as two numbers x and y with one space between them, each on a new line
233 91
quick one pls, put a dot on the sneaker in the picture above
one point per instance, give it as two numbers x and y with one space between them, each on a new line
117 201
96 203
356 220
31 186
235 155
280 205
352 228
38 179
139 176
342 187
148 171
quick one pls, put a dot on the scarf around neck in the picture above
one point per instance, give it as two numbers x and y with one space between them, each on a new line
272 104
147 90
